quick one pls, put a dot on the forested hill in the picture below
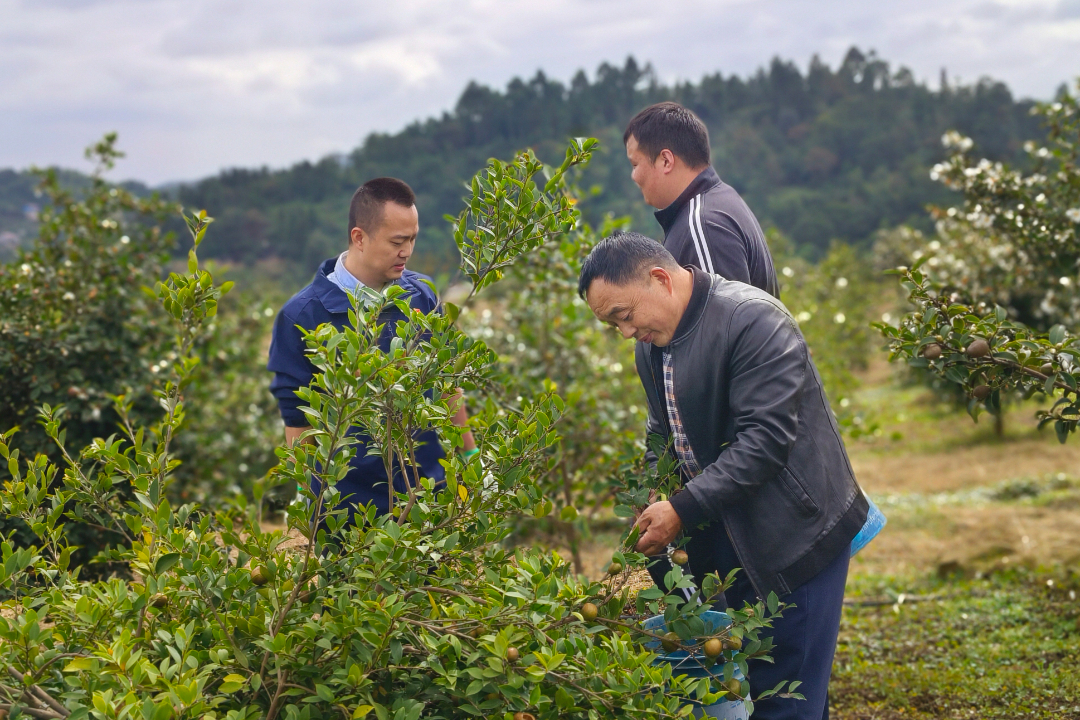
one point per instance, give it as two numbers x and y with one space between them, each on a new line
826 154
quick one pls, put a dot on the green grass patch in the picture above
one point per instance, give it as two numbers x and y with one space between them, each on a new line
1003 646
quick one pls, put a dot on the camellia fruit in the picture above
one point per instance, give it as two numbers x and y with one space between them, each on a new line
981 392
1047 369
614 568
733 686
679 557
978 348
713 647
159 600
524 716
261 575
932 351
733 643
513 654
670 641
589 611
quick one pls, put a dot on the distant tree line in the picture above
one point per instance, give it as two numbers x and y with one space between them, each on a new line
822 155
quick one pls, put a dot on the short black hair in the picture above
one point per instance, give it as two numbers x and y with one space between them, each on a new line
620 259
670 126
366 207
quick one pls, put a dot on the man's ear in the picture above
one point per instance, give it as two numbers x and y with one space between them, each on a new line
357 238
665 161
663 276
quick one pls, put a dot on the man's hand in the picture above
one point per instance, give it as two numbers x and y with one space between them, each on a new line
659 525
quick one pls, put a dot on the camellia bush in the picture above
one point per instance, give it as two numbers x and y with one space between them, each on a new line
834 301
994 294
421 612
76 330
546 336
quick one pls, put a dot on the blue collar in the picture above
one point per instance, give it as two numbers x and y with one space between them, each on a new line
332 297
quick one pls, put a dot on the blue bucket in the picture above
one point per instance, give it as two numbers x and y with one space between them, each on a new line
683 663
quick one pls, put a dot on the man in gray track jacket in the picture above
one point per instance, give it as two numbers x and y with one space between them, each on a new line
705 222
767 482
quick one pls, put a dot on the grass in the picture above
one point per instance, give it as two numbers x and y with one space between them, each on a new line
1002 646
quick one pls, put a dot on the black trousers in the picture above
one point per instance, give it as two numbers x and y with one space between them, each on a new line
804 638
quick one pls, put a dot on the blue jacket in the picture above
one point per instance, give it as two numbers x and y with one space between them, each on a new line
324 302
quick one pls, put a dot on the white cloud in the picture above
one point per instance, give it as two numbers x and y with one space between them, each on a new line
196 85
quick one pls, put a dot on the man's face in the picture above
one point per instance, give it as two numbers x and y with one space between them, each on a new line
647 174
644 310
384 252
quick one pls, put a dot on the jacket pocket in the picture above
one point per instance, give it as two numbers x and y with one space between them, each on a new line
798 492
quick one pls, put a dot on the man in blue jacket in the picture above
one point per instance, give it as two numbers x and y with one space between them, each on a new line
383 225
706 224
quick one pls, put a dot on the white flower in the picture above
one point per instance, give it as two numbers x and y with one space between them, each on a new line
1072 213
803 316
26 269
1065 281
69 295
788 272
839 318
841 282
125 240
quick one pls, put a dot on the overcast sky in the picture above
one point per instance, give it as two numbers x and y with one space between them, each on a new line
194 86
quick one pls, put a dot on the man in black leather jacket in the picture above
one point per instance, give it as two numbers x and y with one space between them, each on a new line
768 485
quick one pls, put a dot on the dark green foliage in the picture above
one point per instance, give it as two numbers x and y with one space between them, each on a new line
829 154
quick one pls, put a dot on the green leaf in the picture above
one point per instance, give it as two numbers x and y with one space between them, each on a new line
166 562
79 664
1057 334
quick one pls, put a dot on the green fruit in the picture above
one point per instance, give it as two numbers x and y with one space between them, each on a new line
1047 369
981 392
670 641
459 366
733 686
614 568
679 557
978 348
261 575
589 611
159 600
713 647
513 654
733 643
932 351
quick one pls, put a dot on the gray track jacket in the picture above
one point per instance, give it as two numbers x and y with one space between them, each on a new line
709 226
775 470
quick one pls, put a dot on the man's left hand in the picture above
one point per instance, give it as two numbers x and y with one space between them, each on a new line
659 525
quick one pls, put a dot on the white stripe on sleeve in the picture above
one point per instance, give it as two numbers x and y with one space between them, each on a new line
695 219
704 259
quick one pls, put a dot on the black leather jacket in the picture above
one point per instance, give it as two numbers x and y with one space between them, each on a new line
775 470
